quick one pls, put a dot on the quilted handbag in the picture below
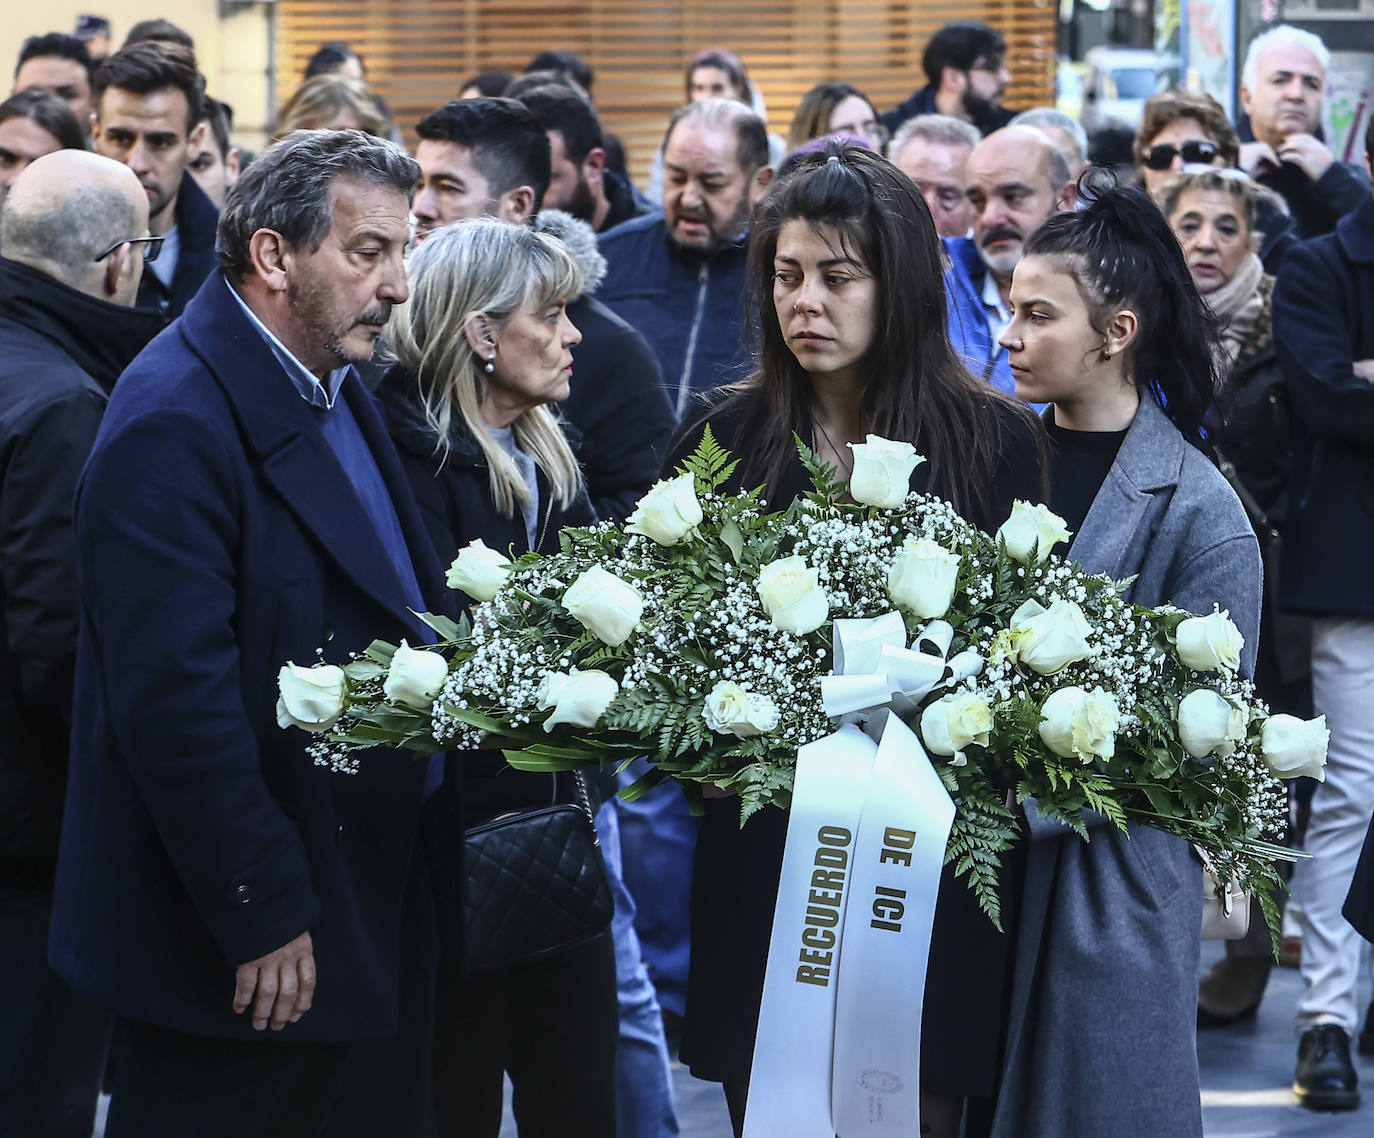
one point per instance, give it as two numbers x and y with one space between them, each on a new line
536 885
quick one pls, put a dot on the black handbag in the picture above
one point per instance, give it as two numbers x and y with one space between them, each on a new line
535 885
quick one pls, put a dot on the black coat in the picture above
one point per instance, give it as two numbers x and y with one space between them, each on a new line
922 102
456 505
60 353
1323 322
617 403
1359 905
197 220
218 536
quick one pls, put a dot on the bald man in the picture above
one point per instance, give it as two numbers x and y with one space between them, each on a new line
68 276
1015 178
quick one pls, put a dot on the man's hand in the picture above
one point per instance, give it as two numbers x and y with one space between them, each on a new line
1307 152
280 986
1255 156
1365 370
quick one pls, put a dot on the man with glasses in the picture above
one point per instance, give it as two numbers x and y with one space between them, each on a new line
967 75
149 101
67 281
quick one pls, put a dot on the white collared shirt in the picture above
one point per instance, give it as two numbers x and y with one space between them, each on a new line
304 380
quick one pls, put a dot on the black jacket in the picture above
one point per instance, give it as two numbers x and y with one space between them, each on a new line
625 199
1323 323
60 353
922 102
456 506
197 220
1315 206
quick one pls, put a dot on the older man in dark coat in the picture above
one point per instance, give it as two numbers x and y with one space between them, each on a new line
243 507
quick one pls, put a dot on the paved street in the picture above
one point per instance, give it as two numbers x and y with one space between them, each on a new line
1247 1075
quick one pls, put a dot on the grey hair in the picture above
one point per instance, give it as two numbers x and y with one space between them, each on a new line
64 238
942 129
1047 116
719 114
1281 36
287 189
496 269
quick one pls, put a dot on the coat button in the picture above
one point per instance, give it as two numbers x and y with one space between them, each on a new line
338 836
242 894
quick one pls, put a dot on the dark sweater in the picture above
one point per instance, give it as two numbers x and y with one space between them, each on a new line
1079 462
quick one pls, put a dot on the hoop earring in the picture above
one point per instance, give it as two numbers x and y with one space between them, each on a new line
490 365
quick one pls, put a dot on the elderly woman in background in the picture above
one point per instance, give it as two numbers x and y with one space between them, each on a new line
1188 128
1213 212
331 102
484 348
836 108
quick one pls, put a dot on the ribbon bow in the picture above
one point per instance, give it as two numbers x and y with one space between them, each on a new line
875 669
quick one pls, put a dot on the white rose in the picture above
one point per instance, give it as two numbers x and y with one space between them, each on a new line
1031 532
310 698
1048 639
668 512
415 677
1078 724
950 724
792 596
922 578
478 570
1209 724
1210 643
882 472
1295 748
731 710
579 698
605 605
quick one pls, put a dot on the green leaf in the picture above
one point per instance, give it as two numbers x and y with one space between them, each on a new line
448 630
532 761
733 538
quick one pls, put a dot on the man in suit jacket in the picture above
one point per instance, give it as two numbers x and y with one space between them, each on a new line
243 507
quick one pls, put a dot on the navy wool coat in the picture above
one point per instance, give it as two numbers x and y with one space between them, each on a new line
218 537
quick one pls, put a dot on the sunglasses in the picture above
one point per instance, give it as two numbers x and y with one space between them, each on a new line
1162 155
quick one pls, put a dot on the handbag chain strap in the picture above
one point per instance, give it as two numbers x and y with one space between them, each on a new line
585 802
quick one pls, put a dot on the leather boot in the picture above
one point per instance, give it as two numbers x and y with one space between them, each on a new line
1325 1078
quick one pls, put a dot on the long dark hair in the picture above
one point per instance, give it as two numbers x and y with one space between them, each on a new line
1122 253
917 389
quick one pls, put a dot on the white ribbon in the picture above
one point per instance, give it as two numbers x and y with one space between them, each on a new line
874 668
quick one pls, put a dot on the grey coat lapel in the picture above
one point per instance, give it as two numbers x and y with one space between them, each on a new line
1117 531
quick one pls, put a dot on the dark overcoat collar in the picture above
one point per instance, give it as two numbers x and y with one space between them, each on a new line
282 435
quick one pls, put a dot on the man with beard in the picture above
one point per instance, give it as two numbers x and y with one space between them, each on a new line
581 184
243 507
149 114
1281 89
679 277
967 75
1016 178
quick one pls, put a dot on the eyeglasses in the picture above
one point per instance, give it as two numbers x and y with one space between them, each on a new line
991 64
872 130
152 246
1195 152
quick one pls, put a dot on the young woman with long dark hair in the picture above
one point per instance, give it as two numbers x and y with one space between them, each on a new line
847 289
1110 330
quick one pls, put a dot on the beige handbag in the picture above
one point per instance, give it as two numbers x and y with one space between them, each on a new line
1225 906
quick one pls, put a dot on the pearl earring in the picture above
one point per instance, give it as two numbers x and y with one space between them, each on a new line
490 365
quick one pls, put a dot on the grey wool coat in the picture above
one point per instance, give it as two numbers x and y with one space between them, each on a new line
1102 1030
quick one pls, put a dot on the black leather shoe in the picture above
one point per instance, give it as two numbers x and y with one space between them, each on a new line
1365 1044
1325 1078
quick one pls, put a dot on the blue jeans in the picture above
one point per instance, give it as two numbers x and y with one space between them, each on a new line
644 1091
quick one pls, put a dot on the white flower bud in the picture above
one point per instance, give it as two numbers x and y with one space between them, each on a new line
882 472
923 577
954 722
1078 724
1210 725
415 677
1210 643
731 710
1295 748
578 698
310 698
1048 639
605 605
478 571
1031 532
791 595
668 512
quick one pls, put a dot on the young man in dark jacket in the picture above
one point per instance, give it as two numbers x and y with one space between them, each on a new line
966 73
66 332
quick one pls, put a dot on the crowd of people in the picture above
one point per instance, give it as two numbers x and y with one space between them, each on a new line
252 405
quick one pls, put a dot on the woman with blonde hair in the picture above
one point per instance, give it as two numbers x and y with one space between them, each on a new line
331 102
836 108
483 347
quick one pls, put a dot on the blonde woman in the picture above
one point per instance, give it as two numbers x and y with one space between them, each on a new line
331 102
484 345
